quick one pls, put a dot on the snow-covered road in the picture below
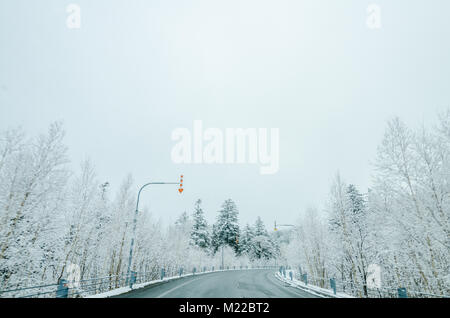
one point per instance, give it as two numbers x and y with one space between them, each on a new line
227 284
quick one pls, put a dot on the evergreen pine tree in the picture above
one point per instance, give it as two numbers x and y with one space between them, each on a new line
246 241
356 200
263 246
215 240
199 232
260 228
226 228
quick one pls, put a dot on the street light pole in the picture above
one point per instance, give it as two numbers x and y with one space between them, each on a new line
130 258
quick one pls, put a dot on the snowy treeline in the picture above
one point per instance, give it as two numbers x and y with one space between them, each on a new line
401 224
51 217
253 242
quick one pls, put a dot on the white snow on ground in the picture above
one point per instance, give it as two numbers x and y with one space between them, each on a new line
315 290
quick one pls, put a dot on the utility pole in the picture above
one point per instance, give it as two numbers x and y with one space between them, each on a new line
130 258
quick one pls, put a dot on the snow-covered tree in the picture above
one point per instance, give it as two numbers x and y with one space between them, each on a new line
199 232
226 228
246 240
411 202
183 222
33 176
263 247
349 233
83 217
308 247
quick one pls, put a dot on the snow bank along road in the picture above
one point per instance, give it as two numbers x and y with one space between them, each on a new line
256 283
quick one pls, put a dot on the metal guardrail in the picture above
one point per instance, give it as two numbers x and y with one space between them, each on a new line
336 285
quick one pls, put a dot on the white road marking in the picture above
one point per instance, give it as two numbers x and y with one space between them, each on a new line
175 288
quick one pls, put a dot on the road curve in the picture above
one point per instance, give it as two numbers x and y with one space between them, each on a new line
255 283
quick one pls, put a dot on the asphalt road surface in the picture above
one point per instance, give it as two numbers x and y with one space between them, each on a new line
255 283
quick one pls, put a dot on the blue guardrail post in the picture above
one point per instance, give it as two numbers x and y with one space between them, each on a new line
162 273
133 278
63 289
402 293
305 278
333 285
290 274
181 271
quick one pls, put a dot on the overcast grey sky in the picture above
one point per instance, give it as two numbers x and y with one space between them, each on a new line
136 70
